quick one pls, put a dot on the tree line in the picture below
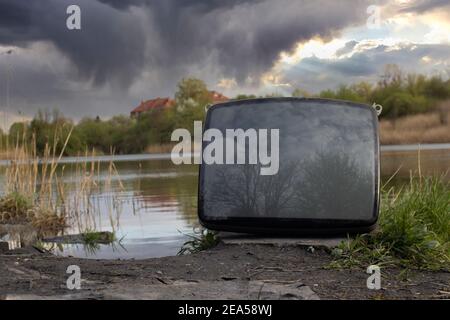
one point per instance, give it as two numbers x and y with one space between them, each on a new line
399 94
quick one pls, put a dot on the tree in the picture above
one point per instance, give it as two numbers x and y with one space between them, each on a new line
415 84
192 93
403 103
392 76
327 94
95 134
436 88
244 97
300 93
191 99
363 89
343 93
51 130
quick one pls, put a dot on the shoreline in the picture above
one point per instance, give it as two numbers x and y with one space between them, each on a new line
167 156
228 271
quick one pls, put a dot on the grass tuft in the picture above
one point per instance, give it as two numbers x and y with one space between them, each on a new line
202 239
413 230
96 237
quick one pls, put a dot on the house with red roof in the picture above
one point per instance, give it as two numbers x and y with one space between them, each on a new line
163 103
154 104
217 97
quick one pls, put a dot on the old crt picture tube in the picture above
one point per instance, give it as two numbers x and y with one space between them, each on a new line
287 163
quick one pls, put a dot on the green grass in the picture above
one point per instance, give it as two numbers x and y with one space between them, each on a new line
92 240
94 237
202 239
413 230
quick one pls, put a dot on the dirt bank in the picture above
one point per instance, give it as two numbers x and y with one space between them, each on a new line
227 271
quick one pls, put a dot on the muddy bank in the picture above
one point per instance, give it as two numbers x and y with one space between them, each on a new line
228 271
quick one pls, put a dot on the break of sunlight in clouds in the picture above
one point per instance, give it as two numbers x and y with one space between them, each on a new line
318 64
314 47
227 83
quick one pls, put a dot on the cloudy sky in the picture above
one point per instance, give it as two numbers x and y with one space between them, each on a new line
129 50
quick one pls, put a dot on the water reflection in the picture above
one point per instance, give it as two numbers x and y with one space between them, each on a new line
431 162
159 200
130 249
87 250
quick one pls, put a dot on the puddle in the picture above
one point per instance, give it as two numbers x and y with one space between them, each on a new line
126 249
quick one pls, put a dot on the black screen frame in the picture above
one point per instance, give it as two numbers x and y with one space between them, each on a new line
291 226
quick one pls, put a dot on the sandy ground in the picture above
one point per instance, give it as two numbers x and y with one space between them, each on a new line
229 271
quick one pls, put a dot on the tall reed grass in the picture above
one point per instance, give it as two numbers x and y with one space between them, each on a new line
37 191
432 127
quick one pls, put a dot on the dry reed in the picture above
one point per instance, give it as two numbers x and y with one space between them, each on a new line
431 127
36 190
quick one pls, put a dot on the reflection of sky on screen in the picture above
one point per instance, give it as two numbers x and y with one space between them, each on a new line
307 130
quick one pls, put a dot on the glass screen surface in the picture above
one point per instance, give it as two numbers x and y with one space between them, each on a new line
327 162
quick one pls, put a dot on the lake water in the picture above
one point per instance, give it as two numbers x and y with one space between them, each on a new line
158 209
158 201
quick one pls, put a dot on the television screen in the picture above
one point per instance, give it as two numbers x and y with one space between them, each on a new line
288 165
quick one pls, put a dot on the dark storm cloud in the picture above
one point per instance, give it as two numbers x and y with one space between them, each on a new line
119 39
171 4
130 50
123 4
243 37
102 51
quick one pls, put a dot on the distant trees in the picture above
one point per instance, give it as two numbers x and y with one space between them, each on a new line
48 132
120 134
300 93
191 98
244 96
191 93
399 95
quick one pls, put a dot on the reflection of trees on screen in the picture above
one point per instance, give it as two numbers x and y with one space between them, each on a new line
234 191
329 185
278 190
242 191
332 185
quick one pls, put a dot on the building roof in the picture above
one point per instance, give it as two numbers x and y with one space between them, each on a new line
160 103
218 97
154 104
